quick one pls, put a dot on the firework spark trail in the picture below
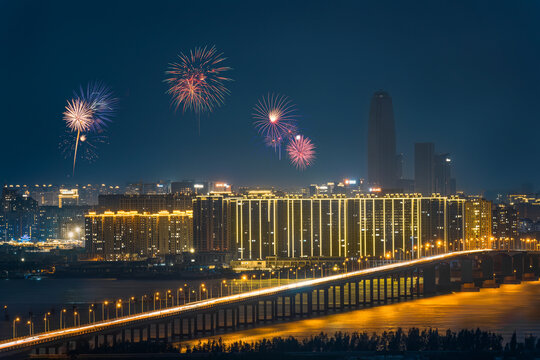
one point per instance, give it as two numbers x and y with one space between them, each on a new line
79 118
275 118
301 152
87 145
196 81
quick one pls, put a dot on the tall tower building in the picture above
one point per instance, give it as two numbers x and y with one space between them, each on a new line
382 141
424 158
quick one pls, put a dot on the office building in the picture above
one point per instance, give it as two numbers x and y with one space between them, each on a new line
424 154
18 216
381 142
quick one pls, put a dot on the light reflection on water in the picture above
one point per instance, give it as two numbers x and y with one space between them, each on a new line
503 310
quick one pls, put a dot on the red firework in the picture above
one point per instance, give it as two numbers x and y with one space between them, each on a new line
196 81
301 152
275 118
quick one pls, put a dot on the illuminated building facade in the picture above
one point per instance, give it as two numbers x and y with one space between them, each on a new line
211 223
145 203
393 226
478 220
505 224
132 235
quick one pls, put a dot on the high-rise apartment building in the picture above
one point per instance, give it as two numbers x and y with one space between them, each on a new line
132 235
211 225
393 226
145 203
382 159
478 223
505 225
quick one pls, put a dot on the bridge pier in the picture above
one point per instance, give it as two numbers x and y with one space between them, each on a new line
467 271
429 280
444 277
518 265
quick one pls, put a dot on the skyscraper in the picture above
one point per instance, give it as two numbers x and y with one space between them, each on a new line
382 141
424 157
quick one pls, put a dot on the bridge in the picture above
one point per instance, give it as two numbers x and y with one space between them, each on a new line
462 270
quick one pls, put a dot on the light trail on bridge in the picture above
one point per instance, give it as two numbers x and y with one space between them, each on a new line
103 325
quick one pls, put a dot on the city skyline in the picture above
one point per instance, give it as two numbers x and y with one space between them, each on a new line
459 96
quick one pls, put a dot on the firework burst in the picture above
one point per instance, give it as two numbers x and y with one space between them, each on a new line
86 115
301 152
275 117
78 116
196 80
101 101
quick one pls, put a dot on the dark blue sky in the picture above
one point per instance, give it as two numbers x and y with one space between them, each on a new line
463 74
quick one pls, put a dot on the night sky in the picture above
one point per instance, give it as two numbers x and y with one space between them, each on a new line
463 74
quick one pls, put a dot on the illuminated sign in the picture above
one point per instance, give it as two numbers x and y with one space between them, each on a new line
198 186
375 189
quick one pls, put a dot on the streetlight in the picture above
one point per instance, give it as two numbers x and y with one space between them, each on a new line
61 316
76 318
30 327
119 307
15 321
46 322
142 303
221 287
156 297
201 289
167 298
91 314
180 290
129 304
103 305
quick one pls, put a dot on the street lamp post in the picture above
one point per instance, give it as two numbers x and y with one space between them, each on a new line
221 287
30 327
103 306
61 316
156 297
180 290
15 321
91 314
129 305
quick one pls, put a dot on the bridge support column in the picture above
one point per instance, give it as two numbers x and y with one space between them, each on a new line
342 296
189 331
325 300
385 283
235 317
518 265
418 293
467 271
487 268
444 277
148 333
399 286
213 322
429 280
310 303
